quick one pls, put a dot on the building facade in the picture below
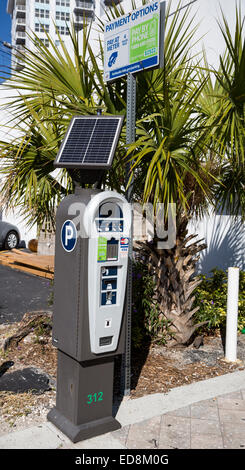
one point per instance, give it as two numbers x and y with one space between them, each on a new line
51 16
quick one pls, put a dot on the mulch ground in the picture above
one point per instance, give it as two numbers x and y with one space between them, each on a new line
154 369
160 373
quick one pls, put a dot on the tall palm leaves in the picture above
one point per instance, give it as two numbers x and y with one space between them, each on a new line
231 79
225 118
166 156
54 76
165 153
51 88
27 166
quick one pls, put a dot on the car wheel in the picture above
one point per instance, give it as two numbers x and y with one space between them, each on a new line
11 240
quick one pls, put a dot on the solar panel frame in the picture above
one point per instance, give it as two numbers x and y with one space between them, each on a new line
89 164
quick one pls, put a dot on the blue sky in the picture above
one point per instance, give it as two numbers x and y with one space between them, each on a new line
5 22
5 35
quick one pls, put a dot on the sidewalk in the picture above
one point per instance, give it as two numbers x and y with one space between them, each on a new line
204 415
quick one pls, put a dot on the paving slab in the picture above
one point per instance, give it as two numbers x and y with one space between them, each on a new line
144 434
206 441
174 432
205 426
36 437
231 403
203 409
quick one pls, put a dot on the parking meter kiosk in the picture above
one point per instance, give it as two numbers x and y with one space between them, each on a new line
91 258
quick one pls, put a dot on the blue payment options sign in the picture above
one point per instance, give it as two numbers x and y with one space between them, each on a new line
132 42
68 235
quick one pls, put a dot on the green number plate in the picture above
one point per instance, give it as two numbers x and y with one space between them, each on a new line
94 397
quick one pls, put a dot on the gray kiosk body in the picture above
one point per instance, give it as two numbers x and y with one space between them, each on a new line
91 257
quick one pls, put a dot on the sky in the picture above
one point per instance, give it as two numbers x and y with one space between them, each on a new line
5 35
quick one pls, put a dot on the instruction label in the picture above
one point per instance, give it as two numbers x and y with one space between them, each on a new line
102 249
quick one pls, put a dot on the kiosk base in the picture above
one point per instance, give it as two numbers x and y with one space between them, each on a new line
84 398
80 432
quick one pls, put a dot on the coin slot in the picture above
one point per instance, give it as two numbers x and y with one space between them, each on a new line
105 341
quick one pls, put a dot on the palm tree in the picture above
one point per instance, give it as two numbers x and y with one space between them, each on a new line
29 182
170 161
192 152
53 88
170 168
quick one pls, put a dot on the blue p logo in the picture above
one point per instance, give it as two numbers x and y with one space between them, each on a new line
68 235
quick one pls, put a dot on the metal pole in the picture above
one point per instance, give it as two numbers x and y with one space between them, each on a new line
130 127
130 138
232 314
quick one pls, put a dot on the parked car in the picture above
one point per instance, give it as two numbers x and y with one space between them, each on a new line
9 236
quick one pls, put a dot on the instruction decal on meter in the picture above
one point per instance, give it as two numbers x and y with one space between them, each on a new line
102 249
68 236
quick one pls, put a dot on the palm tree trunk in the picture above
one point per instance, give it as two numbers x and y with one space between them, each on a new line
173 273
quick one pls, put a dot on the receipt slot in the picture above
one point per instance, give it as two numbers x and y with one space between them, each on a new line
91 259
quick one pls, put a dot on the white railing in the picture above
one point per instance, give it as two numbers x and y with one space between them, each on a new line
20 34
85 5
20 21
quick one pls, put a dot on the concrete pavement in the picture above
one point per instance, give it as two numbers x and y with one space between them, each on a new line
209 414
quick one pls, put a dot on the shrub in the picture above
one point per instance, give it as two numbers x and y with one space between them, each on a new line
211 297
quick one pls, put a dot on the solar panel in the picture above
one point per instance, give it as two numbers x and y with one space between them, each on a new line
90 142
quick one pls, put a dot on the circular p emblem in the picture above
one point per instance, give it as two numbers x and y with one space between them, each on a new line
68 235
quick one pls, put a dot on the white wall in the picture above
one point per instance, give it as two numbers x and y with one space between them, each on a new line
225 239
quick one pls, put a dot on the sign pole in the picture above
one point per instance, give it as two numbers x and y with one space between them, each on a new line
133 43
130 125
130 138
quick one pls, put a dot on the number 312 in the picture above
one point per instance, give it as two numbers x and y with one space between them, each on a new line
93 398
